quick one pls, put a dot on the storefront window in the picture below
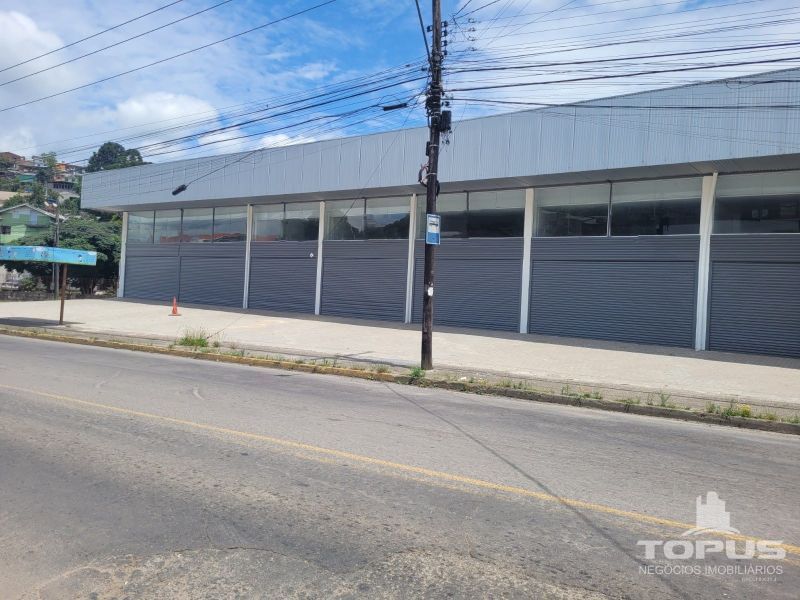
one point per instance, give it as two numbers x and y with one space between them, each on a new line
198 224
268 223
572 210
230 224
344 220
301 222
140 227
387 218
758 203
658 207
167 227
496 214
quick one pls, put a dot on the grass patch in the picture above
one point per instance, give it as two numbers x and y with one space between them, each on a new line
194 338
416 373
381 369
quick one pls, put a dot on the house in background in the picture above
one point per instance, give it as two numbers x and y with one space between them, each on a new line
18 221
15 223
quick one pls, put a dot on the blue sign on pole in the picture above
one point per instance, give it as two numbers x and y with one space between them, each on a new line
433 229
46 254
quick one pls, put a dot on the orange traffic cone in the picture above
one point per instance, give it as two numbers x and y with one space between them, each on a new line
174 312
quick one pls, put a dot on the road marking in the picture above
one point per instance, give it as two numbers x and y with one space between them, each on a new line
431 473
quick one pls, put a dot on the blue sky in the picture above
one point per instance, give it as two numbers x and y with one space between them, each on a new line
347 39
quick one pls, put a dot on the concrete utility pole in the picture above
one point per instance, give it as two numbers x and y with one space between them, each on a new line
433 105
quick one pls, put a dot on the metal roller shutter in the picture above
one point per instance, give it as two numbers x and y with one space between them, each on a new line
212 273
365 279
151 271
283 276
755 294
624 289
478 283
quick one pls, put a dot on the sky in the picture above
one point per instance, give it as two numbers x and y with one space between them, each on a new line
332 44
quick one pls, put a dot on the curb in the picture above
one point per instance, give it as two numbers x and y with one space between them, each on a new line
472 388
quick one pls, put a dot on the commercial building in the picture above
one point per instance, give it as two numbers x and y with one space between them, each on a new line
667 217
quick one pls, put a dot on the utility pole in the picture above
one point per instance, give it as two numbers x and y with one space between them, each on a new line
433 105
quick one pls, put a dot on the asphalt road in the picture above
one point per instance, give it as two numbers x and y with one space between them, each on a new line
128 475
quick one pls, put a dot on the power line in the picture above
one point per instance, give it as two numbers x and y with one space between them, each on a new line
163 60
94 35
424 34
115 44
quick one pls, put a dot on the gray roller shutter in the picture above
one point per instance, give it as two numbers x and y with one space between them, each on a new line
151 271
212 274
477 283
637 289
283 276
365 279
755 294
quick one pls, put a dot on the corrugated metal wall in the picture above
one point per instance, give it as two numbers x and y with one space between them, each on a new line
755 294
212 273
365 279
283 276
639 289
477 283
151 271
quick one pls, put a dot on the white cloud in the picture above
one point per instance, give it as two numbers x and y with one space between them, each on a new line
161 106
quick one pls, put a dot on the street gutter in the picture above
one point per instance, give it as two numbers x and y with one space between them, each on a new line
364 372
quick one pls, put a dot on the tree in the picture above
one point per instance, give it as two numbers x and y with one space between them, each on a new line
38 196
113 156
82 232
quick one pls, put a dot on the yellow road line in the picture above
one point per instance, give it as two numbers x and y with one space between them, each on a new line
431 473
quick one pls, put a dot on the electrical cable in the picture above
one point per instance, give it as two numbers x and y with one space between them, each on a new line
115 44
94 35
163 60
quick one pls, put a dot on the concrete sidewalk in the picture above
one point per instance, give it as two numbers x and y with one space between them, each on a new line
618 370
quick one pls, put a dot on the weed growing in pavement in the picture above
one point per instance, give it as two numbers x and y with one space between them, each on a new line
381 369
194 338
795 420
767 416
416 373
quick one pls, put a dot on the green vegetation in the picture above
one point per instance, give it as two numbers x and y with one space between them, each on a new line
416 373
113 156
194 338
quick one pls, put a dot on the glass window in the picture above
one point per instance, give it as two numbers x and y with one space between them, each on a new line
496 214
758 203
658 207
344 220
167 227
140 227
572 210
453 210
230 224
387 218
268 223
301 222
198 225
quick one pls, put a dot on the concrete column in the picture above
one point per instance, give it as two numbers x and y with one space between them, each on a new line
704 261
246 297
122 252
525 295
412 229
320 239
